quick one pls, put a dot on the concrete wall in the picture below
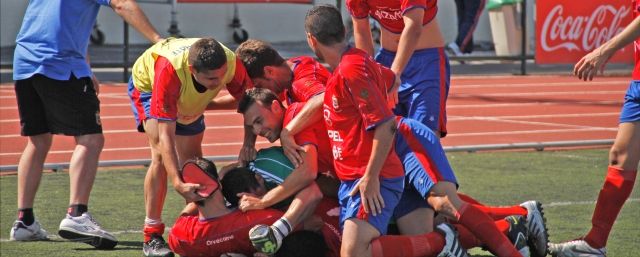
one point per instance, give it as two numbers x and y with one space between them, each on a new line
271 22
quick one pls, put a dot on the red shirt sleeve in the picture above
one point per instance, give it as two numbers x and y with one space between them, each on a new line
310 78
358 8
306 136
366 92
166 91
240 81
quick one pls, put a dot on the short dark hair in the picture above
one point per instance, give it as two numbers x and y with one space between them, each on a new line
207 54
324 22
303 243
256 54
253 95
238 180
208 167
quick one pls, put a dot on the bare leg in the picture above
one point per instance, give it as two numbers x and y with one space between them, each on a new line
30 168
83 167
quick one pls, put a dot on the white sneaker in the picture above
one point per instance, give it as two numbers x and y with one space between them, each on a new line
22 232
538 237
452 247
454 49
576 248
87 230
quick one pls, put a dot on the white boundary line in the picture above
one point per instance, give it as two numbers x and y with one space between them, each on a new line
549 205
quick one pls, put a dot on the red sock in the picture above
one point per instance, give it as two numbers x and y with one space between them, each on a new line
152 229
615 191
407 246
483 227
468 240
499 213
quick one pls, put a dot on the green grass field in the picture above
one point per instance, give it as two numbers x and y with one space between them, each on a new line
567 182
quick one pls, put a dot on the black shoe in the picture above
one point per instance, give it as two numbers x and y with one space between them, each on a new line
517 234
156 247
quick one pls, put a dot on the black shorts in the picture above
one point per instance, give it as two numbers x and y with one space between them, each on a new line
70 107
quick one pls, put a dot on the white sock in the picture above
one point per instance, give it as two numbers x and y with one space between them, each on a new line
282 227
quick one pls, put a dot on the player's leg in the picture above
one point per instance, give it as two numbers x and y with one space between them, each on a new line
189 140
34 126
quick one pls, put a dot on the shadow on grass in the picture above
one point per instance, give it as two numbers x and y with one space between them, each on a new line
122 246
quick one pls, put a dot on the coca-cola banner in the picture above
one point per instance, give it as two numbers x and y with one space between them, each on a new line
566 30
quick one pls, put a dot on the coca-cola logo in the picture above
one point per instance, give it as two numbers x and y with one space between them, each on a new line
581 33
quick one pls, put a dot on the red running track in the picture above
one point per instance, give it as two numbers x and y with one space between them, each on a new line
481 110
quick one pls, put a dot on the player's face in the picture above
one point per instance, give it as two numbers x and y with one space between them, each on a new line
313 44
265 122
276 78
211 79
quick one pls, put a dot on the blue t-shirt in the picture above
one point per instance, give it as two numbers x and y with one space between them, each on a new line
54 37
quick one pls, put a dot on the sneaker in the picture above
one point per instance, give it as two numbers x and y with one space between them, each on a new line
517 234
536 225
452 247
87 230
454 49
22 232
264 240
156 247
576 248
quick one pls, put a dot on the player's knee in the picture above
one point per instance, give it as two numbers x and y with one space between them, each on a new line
617 155
93 142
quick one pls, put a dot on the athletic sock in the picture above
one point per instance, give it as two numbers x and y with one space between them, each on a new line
282 228
483 227
26 216
616 190
76 210
468 240
152 226
499 213
429 244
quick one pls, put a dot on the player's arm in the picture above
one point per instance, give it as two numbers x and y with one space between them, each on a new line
226 102
133 15
94 80
300 178
248 150
310 114
595 61
303 204
369 185
362 34
408 39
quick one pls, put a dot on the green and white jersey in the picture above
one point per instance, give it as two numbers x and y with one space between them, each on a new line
272 165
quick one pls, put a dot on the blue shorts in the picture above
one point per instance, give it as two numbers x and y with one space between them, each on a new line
423 158
424 87
143 103
631 108
351 206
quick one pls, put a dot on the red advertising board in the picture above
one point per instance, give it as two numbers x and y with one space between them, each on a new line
566 30
248 1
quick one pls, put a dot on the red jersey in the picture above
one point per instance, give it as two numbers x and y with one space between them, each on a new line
315 134
389 12
309 79
191 236
354 104
636 43
329 211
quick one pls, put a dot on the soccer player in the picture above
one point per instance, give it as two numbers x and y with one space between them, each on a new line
215 230
412 46
172 84
469 12
299 79
624 155
58 94
360 125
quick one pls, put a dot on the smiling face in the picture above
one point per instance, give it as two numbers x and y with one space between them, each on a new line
210 79
265 121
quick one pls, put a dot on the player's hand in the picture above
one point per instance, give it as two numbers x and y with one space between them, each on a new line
188 191
370 195
291 148
247 153
96 84
392 94
250 202
591 63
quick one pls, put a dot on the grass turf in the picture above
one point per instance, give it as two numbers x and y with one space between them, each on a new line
566 182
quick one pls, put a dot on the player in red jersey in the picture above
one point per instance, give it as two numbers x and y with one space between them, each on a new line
299 79
412 46
624 155
361 130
